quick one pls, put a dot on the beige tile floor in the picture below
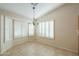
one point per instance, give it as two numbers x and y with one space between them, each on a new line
36 49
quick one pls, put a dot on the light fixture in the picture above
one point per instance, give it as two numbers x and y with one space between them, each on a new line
34 7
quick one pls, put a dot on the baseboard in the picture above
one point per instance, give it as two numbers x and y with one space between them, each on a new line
75 52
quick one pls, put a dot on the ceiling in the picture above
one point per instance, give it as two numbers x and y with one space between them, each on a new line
26 10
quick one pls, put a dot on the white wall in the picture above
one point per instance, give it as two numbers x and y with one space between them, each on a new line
65 27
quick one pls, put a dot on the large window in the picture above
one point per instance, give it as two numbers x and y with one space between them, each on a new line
17 29
24 29
31 29
20 29
51 30
8 29
46 29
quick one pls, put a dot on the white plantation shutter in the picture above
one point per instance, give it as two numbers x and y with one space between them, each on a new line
46 29
31 30
8 29
51 29
24 29
17 29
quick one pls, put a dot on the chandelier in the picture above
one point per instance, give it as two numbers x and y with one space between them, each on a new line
34 8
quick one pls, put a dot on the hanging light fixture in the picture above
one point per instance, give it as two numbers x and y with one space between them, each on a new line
34 7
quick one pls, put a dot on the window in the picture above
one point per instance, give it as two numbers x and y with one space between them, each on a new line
43 29
31 29
17 29
51 24
20 29
8 29
24 29
46 29
40 29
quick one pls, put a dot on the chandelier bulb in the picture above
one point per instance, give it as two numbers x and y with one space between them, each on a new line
33 7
